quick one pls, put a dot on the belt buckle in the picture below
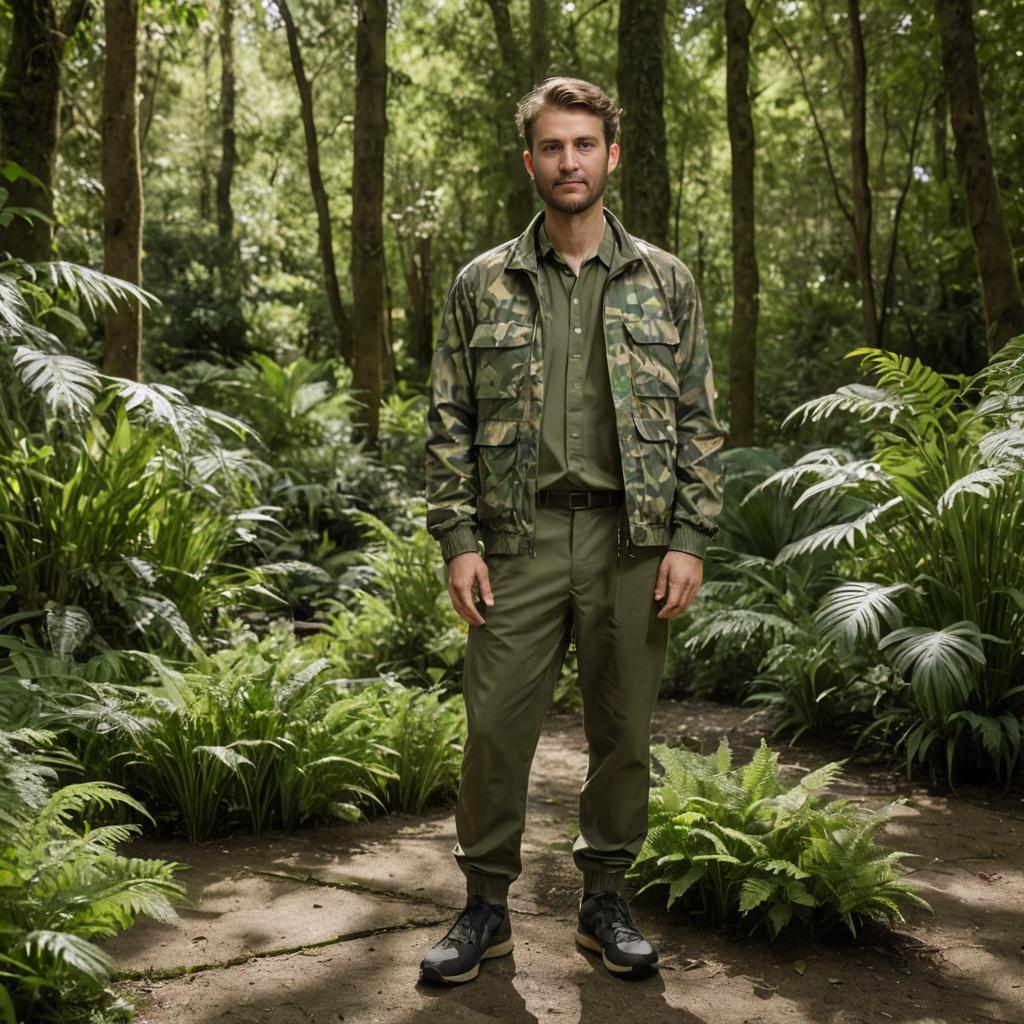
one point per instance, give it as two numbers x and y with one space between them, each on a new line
573 495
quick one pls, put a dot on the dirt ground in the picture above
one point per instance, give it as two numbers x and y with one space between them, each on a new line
328 925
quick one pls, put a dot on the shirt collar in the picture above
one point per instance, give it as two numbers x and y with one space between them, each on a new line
605 250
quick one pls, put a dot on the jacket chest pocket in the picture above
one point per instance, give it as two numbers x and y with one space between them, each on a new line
653 351
501 358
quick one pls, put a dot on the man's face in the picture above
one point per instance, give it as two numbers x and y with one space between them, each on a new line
570 160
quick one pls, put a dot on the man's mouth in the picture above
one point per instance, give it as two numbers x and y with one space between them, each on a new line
574 181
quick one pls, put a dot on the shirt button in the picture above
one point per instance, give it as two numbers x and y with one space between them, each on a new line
575 302
574 434
578 330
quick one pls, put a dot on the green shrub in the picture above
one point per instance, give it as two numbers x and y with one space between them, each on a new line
421 737
63 886
115 496
735 845
935 581
266 735
400 619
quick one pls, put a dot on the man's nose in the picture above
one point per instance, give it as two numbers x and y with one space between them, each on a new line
570 160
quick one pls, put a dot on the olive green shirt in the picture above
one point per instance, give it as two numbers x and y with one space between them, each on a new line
579 443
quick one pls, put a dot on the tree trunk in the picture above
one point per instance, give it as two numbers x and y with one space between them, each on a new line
511 86
540 41
369 131
30 117
1000 288
745 279
644 168
861 188
316 184
121 168
229 265
414 252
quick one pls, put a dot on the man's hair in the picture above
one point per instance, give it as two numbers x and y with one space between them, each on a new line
567 93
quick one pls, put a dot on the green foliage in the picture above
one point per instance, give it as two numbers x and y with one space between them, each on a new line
62 886
267 736
400 619
937 564
115 496
736 845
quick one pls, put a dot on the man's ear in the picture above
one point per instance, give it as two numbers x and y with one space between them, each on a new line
528 161
613 157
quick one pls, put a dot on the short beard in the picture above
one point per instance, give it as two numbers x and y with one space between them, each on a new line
571 206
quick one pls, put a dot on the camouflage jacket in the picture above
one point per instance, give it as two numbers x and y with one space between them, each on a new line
487 386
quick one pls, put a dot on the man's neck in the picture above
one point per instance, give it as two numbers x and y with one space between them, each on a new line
575 236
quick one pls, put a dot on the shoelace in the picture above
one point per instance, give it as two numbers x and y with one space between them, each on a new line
471 921
614 914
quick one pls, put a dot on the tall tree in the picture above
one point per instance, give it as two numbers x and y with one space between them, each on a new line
644 168
229 262
745 278
30 101
1000 287
861 186
121 169
859 215
316 184
370 129
540 41
511 86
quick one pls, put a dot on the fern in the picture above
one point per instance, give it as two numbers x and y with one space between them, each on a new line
737 845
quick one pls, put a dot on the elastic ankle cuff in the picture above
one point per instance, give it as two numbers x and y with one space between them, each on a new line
603 881
493 888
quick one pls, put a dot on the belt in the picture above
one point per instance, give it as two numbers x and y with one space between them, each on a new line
579 499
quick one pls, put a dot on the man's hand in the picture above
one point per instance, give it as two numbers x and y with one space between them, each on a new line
466 572
679 575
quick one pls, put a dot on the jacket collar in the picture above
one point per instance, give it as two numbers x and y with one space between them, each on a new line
523 254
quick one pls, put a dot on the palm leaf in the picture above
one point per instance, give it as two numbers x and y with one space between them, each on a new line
854 611
72 950
937 659
66 383
980 482
93 287
836 534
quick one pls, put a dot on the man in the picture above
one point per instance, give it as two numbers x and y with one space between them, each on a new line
572 433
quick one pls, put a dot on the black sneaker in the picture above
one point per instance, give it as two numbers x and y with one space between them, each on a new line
606 927
483 930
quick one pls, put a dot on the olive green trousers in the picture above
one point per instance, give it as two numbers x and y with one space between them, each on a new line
576 584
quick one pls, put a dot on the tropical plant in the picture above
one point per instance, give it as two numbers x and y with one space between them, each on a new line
62 886
934 582
114 495
737 845
421 736
400 618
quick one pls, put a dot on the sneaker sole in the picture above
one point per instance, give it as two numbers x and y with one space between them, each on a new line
501 949
592 944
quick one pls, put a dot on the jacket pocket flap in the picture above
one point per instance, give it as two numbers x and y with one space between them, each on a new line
504 335
653 429
652 330
496 431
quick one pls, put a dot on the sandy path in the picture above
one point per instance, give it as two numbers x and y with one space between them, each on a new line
328 925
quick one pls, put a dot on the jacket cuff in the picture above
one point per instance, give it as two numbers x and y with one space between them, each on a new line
458 541
686 538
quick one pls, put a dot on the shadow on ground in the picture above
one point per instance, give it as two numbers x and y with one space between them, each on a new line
329 925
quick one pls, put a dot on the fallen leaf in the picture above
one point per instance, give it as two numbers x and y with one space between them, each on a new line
800 966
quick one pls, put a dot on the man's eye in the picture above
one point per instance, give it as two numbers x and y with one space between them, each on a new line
586 145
